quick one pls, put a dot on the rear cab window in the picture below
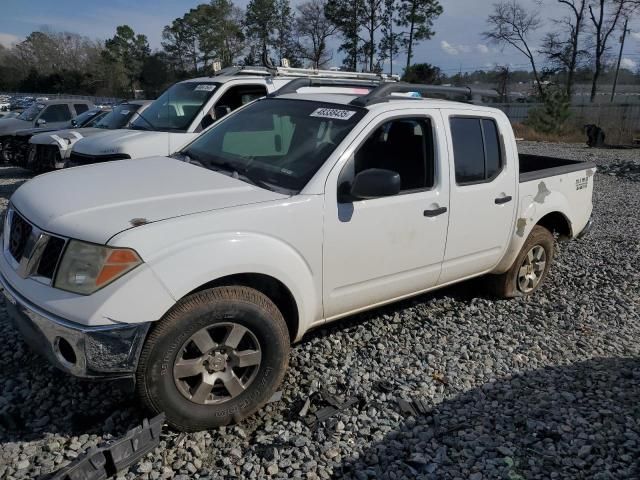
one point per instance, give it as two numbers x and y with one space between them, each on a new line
476 149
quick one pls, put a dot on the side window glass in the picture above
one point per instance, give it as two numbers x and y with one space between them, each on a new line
492 147
404 146
468 150
476 149
80 108
56 113
235 97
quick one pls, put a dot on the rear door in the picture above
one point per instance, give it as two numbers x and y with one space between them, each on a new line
381 249
483 194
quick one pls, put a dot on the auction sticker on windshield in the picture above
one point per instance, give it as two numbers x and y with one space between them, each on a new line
204 88
333 113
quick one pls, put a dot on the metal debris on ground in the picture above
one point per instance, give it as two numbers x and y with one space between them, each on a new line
335 406
106 461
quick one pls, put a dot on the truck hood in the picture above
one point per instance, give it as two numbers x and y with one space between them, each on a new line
135 143
95 202
10 125
45 138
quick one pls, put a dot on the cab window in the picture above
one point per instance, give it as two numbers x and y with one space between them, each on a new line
403 145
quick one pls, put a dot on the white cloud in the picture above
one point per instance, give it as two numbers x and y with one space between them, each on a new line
482 48
448 48
7 39
453 49
629 64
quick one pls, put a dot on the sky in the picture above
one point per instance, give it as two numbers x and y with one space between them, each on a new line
457 45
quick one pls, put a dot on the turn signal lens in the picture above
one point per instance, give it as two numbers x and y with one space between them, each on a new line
86 267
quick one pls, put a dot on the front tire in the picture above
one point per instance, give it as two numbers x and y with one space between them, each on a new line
530 267
214 359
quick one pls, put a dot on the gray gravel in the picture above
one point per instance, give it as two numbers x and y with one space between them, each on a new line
545 387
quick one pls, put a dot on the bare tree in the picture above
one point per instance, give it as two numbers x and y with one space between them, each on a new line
313 30
605 16
563 49
511 24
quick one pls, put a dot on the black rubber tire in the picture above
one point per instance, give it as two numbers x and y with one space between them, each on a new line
506 284
246 306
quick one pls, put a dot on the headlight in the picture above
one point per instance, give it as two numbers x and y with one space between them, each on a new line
86 267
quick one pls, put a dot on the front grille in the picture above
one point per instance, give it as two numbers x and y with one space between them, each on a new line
76 159
37 253
50 256
18 236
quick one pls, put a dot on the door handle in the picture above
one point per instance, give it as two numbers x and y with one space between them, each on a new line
502 200
435 212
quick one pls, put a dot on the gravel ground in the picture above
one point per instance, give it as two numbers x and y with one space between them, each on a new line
545 387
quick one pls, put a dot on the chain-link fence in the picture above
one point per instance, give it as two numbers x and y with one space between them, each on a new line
620 121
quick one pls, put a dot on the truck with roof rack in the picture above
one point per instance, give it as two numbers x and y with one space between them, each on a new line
191 275
187 108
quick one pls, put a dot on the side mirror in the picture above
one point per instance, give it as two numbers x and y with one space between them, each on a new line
375 183
74 122
40 122
220 111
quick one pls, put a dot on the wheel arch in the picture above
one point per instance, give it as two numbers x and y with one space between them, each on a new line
557 223
270 286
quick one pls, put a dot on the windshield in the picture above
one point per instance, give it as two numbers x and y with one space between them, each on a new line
176 108
85 118
118 117
31 113
277 144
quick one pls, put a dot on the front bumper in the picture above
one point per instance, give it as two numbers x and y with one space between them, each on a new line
86 352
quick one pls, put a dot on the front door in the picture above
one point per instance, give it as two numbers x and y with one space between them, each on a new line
381 249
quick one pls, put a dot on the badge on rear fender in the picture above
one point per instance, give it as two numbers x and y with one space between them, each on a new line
333 113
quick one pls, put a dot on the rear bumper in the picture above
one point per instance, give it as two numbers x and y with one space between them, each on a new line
587 228
85 352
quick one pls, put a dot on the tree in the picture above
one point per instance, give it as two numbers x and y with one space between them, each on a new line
605 19
129 50
422 73
179 40
261 22
347 15
564 50
512 25
313 29
389 45
372 21
283 42
206 32
418 17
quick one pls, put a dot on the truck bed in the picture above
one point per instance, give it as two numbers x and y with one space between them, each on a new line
534 167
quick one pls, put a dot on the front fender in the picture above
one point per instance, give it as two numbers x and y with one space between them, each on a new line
201 260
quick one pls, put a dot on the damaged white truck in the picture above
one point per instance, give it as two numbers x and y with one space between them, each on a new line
192 275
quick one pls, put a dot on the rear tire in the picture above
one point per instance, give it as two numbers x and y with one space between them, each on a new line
214 359
529 268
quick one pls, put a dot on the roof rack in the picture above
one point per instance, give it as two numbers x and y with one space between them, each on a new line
384 93
271 70
294 85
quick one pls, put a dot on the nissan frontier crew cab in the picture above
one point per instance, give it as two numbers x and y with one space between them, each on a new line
192 275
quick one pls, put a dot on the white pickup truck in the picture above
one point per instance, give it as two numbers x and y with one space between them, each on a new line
192 275
178 116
